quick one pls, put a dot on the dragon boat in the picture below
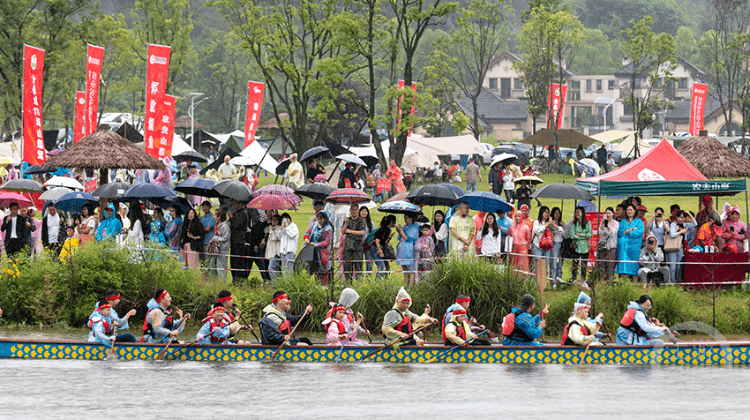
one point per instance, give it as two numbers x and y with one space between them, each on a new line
686 353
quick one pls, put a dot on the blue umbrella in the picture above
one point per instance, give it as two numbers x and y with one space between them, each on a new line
197 186
399 207
147 192
34 169
455 188
486 202
72 202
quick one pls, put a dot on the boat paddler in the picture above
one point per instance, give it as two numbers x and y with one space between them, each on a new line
159 325
637 328
112 297
216 329
463 301
525 328
580 331
276 323
226 300
101 327
458 332
399 322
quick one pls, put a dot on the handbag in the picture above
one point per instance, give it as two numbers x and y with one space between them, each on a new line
546 242
568 248
388 253
672 244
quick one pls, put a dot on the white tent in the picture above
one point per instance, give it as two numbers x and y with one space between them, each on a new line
11 149
612 135
256 151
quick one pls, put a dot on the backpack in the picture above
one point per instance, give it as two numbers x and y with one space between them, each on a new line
509 324
371 237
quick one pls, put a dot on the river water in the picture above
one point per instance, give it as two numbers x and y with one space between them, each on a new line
64 389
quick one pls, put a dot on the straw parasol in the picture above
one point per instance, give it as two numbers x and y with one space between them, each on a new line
713 159
565 138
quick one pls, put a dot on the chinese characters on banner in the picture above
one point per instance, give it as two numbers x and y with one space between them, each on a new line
157 69
79 125
33 136
94 59
254 106
166 127
401 85
556 104
697 108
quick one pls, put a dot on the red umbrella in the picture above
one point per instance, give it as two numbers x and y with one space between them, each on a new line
271 202
347 196
278 190
6 198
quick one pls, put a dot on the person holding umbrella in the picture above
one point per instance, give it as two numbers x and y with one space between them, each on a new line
462 229
407 238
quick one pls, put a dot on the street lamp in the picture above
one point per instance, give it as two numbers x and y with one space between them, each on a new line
191 113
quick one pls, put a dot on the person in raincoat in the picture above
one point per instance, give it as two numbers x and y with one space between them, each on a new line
112 297
580 331
276 323
734 231
629 239
353 327
319 236
102 328
215 329
583 298
462 232
110 227
159 325
336 331
407 238
637 328
527 328
521 234
399 323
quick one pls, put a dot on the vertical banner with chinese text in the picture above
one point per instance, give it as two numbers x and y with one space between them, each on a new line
157 69
33 135
556 104
94 59
254 106
697 108
166 126
79 124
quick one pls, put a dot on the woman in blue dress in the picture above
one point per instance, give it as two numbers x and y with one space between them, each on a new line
629 238
407 237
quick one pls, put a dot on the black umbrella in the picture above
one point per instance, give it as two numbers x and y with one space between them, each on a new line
168 202
316 190
433 195
197 186
562 191
233 189
111 190
283 164
23 185
313 153
189 154
34 169
370 161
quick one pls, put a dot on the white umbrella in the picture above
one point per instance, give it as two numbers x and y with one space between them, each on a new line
591 163
243 161
348 157
501 157
54 193
63 181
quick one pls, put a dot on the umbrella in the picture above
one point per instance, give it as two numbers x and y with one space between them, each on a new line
72 202
501 157
281 167
64 181
398 197
591 163
189 154
347 196
197 186
233 189
399 207
316 190
23 185
6 160
33 169
313 153
111 190
455 188
433 195
147 192
243 161
278 190
486 202
168 202
348 157
54 193
54 152
562 191
272 202
565 138
532 180
6 198
370 161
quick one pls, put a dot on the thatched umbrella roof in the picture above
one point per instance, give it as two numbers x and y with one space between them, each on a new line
184 121
103 149
565 138
713 159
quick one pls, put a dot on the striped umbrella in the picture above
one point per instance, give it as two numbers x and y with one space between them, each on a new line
347 196
271 202
280 191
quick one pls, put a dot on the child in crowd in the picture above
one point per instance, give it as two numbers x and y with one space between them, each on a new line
424 248
71 244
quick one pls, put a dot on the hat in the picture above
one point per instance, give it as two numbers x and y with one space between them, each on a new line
348 297
293 156
583 298
579 306
523 206
642 208
707 199
402 295
717 228
526 301
226 157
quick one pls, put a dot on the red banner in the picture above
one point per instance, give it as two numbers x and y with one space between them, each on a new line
556 104
157 69
79 124
166 128
383 185
33 135
697 108
94 59
254 106
401 85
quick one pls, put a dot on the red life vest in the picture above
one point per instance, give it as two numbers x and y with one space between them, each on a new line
566 341
339 324
213 325
405 325
148 329
628 322
460 332
105 323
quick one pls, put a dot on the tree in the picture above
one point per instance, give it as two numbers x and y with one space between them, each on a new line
480 34
440 106
685 44
651 60
594 54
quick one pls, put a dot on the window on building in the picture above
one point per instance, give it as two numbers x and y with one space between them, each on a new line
658 84
637 83
627 110
598 84
683 83
669 93
610 85
575 90
517 84
505 88
588 85
493 83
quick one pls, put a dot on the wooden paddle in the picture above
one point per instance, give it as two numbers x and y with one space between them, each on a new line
441 354
246 323
366 329
541 280
585 351
376 351
163 351
111 352
273 356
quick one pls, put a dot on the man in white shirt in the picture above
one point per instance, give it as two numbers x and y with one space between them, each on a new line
227 170
53 230
296 178
17 230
